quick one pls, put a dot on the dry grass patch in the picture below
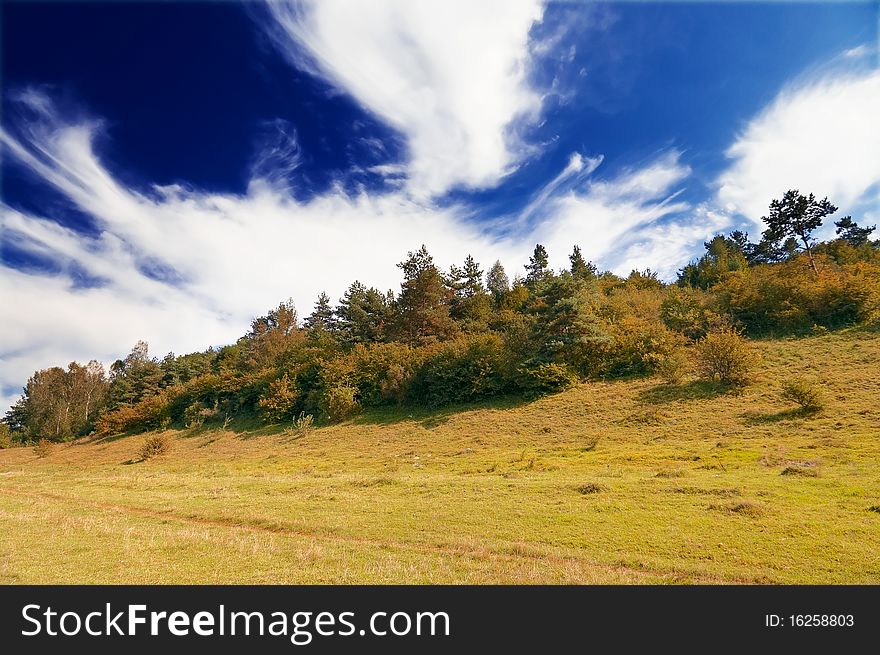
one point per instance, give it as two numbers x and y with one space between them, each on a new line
670 472
695 491
802 470
743 508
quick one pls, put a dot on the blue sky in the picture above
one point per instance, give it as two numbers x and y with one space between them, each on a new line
170 170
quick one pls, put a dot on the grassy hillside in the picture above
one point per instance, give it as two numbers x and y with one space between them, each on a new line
619 482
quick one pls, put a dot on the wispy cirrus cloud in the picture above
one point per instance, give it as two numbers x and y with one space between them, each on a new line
634 220
451 75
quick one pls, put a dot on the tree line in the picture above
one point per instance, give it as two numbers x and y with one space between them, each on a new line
463 334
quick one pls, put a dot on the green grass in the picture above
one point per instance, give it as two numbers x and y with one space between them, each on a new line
684 485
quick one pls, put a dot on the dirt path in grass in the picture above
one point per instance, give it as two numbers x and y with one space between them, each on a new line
446 549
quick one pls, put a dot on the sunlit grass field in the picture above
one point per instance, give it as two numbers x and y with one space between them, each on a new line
612 482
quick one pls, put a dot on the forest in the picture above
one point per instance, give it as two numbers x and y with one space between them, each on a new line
464 334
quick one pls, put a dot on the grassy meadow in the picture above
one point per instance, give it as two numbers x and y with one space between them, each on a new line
632 481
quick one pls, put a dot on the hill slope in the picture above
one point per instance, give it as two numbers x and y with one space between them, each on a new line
685 484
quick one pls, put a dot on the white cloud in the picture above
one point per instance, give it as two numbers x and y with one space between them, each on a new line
820 136
858 52
631 221
278 154
578 167
451 75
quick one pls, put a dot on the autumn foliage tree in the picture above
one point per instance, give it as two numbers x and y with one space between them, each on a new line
58 404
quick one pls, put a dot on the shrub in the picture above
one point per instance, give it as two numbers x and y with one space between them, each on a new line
684 311
303 424
805 393
383 372
744 507
193 416
5 436
590 442
725 356
148 414
43 448
789 297
153 446
670 473
395 384
801 470
279 400
463 370
196 414
546 378
673 366
590 488
338 402
639 345
116 421
227 392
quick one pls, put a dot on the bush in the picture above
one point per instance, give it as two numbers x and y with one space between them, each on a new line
802 470
303 424
638 341
338 402
639 346
546 378
590 442
725 357
115 421
790 298
195 415
588 488
279 400
192 416
5 436
383 372
43 448
673 366
463 370
684 311
153 446
149 414
805 393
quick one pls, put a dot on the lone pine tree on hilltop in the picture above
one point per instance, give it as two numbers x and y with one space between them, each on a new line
797 216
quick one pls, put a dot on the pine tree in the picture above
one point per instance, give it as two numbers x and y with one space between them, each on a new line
580 268
797 216
423 303
134 378
473 278
538 268
567 329
470 305
322 318
363 315
852 233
